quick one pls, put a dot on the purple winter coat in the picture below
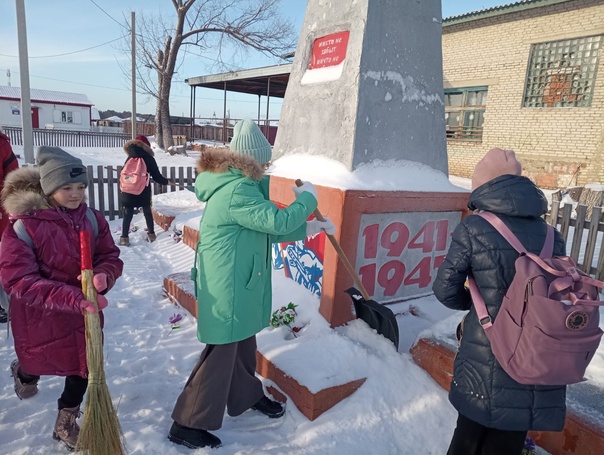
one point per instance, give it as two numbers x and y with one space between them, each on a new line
48 326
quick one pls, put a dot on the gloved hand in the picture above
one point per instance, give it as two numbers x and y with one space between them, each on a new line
306 186
88 306
314 227
100 281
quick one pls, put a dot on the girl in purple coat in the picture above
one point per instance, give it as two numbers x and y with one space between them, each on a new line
42 278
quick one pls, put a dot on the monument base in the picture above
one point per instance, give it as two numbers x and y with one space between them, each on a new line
579 436
394 239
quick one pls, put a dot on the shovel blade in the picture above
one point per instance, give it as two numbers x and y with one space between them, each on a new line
377 316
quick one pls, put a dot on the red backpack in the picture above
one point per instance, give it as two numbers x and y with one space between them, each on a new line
134 177
547 328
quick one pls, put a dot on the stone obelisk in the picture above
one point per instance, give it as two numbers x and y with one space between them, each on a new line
367 84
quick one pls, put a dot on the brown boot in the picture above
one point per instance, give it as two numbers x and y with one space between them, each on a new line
66 427
23 389
124 241
151 237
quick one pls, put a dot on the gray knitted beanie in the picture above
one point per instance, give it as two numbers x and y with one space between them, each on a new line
58 168
249 140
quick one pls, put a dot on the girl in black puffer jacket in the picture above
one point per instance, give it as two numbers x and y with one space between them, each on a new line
140 148
495 412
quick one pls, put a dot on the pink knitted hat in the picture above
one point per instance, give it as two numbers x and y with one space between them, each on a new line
495 163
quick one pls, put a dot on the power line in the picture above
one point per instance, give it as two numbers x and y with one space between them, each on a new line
67 53
108 15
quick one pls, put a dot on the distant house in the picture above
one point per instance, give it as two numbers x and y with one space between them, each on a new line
49 109
113 121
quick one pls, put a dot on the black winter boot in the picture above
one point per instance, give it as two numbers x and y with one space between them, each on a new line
270 408
192 438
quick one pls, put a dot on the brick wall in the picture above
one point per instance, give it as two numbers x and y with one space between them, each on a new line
557 146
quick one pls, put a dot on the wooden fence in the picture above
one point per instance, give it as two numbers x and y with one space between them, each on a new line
584 235
105 196
67 138
584 242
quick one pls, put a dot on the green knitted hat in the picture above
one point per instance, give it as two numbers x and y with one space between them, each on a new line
249 140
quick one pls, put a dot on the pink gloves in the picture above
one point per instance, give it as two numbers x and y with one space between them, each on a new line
100 282
88 306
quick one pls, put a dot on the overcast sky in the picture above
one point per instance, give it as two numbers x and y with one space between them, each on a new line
73 47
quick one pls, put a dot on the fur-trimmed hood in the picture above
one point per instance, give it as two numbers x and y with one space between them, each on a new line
219 161
22 192
136 149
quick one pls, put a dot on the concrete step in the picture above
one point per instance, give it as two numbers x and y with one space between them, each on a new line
180 290
583 432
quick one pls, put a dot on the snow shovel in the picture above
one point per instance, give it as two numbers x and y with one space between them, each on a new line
377 316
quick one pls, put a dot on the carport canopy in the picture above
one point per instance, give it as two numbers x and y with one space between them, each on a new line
267 81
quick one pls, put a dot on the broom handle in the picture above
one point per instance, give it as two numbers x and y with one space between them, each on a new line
87 272
351 271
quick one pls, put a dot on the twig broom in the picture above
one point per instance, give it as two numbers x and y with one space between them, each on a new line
100 433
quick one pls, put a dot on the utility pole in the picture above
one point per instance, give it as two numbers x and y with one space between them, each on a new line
133 38
26 123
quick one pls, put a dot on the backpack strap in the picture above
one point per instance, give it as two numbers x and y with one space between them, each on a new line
548 246
92 218
481 309
19 228
21 232
505 231
546 252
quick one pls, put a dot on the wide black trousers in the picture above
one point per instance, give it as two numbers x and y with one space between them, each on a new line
471 438
223 378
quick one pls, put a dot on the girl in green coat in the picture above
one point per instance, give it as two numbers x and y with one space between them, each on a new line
233 282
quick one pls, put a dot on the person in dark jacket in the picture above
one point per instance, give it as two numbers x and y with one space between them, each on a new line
42 278
141 148
9 163
495 412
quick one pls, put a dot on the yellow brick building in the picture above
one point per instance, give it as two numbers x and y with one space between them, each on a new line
528 76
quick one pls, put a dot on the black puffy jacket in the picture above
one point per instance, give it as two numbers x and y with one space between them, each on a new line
481 390
138 149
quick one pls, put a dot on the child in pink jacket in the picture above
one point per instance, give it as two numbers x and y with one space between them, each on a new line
42 278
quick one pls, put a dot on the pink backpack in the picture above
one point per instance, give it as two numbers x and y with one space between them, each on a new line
134 177
547 329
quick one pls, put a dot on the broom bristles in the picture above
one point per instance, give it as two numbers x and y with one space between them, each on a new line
100 433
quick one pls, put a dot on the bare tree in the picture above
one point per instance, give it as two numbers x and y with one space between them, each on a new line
203 26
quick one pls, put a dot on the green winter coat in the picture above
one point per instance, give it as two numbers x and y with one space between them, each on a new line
234 253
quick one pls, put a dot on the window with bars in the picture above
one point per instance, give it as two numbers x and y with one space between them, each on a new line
464 113
562 73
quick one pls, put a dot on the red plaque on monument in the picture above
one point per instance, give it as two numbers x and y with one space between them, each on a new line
329 50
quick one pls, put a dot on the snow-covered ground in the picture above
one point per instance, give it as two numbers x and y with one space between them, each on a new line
399 410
